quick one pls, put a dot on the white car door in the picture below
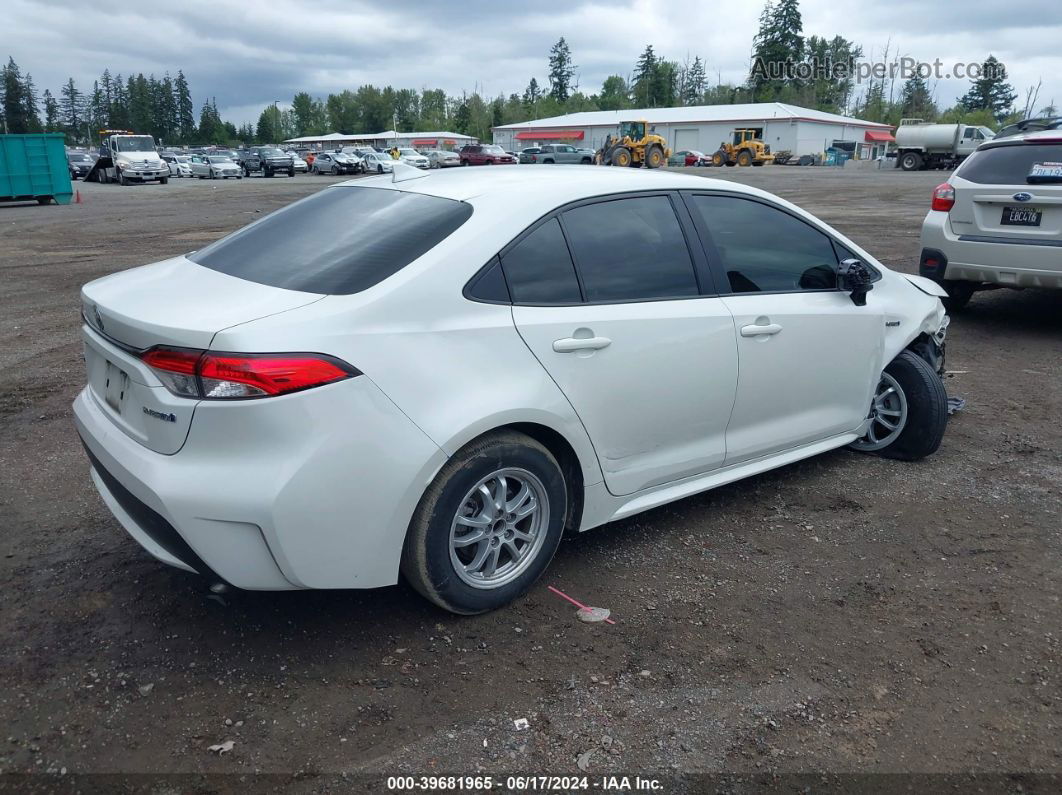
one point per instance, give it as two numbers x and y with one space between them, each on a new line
809 357
618 309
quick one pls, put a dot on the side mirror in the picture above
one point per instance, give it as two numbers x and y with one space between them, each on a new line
854 277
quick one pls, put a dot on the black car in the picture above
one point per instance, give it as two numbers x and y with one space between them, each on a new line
80 164
268 160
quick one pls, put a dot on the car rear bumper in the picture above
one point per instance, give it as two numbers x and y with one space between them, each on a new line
313 491
984 258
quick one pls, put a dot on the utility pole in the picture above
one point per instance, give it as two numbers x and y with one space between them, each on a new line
276 109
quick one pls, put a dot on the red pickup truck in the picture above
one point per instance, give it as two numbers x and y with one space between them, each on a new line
485 155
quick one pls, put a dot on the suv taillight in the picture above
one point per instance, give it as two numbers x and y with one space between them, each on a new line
943 197
210 375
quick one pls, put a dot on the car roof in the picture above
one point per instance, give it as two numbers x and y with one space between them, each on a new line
546 186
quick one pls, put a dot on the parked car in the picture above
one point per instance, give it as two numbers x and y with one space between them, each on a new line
266 159
1031 125
379 162
484 155
336 163
214 167
298 162
689 157
442 158
997 220
529 155
79 163
562 153
413 158
180 165
660 346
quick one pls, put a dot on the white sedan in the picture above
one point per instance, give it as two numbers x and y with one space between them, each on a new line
214 167
379 162
413 158
299 163
505 356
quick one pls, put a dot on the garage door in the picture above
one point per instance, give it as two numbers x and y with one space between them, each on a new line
687 139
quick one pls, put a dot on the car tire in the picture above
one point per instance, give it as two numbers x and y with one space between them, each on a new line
548 162
446 571
335 171
164 180
910 161
910 395
959 294
291 172
379 168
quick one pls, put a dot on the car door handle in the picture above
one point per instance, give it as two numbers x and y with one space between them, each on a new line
755 331
572 344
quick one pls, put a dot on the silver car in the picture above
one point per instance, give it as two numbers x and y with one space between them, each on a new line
997 221
440 158
378 162
411 157
214 167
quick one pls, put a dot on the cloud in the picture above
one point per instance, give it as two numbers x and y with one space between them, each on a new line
246 55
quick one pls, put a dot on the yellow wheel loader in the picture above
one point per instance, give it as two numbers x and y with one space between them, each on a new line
636 144
744 150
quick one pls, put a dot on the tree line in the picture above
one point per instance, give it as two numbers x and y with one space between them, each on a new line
163 106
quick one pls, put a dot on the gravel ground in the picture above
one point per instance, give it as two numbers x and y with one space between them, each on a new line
846 613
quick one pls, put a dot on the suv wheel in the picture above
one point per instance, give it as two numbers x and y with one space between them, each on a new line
959 294
488 525
908 411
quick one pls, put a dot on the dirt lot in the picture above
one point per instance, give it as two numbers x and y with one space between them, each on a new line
847 613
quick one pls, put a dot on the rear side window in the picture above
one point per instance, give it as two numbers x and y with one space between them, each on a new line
1009 165
764 249
340 241
539 268
630 250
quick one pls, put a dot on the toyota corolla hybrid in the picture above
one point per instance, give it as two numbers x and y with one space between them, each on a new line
526 353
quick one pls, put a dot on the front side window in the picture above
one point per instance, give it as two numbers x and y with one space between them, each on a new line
339 241
764 249
630 250
539 268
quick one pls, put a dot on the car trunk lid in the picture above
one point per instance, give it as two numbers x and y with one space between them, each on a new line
175 303
1011 193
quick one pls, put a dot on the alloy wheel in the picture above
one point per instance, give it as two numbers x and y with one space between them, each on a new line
499 529
888 415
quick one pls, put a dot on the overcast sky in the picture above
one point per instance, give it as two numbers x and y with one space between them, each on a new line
247 54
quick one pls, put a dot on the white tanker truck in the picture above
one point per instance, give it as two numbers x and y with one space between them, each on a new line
920 145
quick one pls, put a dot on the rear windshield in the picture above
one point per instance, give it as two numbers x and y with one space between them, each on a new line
340 241
1010 165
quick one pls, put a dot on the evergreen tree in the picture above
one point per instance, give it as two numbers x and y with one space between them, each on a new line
182 98
119 113
14 105
463 117
532 94
29 104
560 71
778 44
72 109
97 108
916 101
990 91
302 110
644 72
51 112
692 83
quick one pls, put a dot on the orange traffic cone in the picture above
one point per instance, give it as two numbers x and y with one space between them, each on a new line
77 197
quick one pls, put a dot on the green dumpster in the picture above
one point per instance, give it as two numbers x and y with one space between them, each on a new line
33 167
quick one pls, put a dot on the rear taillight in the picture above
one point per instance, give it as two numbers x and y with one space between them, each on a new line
211 375
943 197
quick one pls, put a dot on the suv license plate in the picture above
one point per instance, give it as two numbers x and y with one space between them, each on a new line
1021 216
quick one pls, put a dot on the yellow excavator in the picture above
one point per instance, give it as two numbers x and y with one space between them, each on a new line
744 150
637 143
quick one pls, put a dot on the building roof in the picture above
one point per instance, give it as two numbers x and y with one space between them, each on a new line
758 111
386 135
